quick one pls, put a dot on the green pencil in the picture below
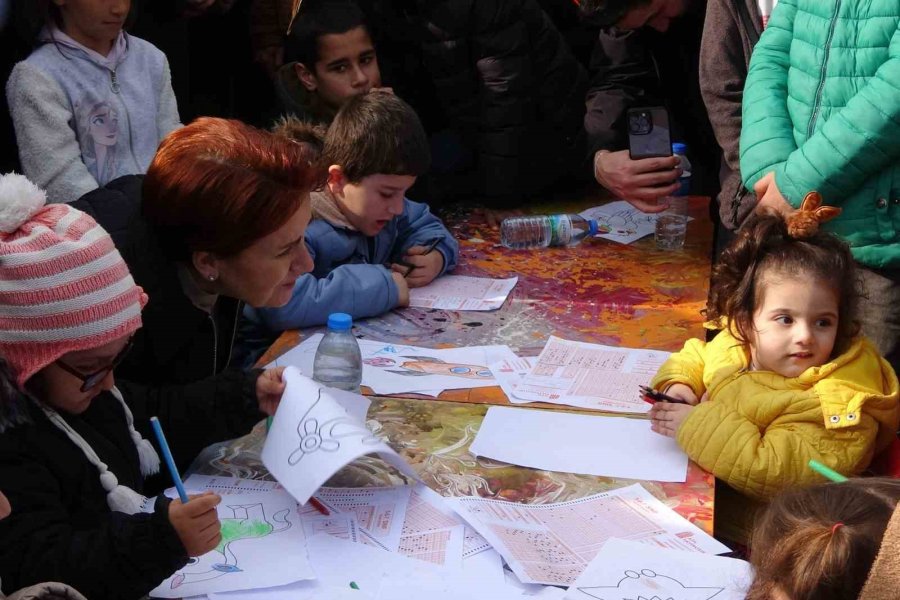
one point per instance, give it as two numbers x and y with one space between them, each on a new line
826 472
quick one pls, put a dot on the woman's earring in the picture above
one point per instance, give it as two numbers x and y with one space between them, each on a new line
212 277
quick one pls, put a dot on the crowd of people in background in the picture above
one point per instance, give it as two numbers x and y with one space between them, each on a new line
200 175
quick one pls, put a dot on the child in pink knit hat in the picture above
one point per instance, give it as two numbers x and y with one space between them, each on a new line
73 453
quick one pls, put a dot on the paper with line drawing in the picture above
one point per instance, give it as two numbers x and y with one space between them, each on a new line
313 437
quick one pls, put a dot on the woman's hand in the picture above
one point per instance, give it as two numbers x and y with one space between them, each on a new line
269 388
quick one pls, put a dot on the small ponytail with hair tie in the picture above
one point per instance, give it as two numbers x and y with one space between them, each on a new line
804 223
835 527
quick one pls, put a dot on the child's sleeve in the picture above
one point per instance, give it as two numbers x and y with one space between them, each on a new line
418 226
167 119
123 556
48 148
760 458
767 132
360 290
685 366
855 143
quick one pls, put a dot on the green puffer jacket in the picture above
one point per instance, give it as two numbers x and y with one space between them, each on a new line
822 110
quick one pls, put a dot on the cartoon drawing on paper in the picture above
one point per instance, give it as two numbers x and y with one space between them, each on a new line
326 437
649 585
249 521
419 366
623 222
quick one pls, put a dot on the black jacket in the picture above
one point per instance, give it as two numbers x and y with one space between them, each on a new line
61 528
647 68
505 81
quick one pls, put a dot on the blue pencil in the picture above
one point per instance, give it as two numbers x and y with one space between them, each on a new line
167 455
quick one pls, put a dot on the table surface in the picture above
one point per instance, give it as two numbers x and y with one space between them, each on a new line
600 292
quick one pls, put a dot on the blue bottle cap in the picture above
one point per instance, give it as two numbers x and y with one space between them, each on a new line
679 148
593 227
340 321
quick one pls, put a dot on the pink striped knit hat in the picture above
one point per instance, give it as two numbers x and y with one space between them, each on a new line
63 285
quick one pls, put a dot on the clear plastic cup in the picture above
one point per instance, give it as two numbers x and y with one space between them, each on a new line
671 224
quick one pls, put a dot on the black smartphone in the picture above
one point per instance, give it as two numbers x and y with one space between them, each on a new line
648 132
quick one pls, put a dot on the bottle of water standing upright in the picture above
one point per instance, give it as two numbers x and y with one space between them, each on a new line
543 231
671 224
338 362
680 150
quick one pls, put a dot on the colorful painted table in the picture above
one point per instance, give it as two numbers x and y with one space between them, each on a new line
599 292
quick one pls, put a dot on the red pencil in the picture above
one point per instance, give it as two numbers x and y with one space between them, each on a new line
319 506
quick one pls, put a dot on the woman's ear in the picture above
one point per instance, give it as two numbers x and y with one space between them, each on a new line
336 180
206 265
306 77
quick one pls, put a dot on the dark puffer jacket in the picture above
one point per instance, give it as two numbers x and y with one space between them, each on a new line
505 80
61 528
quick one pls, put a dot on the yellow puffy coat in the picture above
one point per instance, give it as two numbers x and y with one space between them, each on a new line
758 430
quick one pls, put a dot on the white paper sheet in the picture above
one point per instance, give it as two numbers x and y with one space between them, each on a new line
380 511
312 437
432 531
621 222
623 570
196 484
302 590
263 545
509 374
553 543
575 443
395 368
340 525
591 376
460 292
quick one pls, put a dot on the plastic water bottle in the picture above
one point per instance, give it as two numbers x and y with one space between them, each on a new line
543 231
338 362
671 224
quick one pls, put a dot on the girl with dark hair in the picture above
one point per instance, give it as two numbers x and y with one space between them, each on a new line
787 379
829 542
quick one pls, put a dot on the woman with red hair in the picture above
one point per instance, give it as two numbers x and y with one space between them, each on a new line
225 207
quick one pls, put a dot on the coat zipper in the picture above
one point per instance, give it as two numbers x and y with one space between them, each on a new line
812 120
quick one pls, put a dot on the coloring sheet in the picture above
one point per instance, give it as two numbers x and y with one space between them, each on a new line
624 570
263 545
380 511
591 376
460 292
554 543
395 368
509 373
313 437
621 222
576 443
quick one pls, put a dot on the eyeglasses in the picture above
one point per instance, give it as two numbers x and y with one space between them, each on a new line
89 382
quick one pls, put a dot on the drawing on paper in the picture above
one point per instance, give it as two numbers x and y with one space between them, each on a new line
248 521
326 437
623 222
649 585
418 366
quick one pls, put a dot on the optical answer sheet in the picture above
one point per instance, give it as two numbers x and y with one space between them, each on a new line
591 376
460 292
554 543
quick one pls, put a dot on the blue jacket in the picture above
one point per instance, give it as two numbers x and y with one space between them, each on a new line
349 273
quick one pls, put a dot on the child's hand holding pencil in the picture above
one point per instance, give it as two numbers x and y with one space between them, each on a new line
421 264
197 523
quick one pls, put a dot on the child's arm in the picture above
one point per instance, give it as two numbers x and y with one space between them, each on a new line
122 556
48 148
418 226
360 290
767 137
684 367
167 119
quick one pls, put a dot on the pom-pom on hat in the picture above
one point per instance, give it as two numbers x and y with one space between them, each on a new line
63 285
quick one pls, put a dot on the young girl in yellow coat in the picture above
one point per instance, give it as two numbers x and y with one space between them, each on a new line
788 379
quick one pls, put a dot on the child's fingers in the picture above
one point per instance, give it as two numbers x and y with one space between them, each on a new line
207 531
417 260
201 504
415 251
398 268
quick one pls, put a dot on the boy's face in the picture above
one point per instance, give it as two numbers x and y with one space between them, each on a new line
657 14
372 203
347 67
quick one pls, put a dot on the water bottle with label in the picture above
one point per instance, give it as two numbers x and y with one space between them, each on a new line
338 362
542 231
671 224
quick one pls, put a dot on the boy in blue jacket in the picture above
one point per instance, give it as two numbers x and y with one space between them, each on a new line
368 242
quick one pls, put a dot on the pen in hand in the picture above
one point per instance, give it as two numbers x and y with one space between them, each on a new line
650 395
428 250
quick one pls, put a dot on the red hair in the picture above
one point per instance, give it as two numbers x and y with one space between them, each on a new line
219 185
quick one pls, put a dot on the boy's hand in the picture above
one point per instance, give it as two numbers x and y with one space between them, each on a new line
667 417
425 266
402 287
682 391
269 388
197 523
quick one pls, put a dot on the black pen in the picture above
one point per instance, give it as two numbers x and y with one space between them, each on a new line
657 396
428 250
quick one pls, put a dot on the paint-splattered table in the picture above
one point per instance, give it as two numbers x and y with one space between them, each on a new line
599 292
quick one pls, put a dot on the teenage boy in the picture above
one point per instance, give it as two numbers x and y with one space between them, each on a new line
368 242
330 58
